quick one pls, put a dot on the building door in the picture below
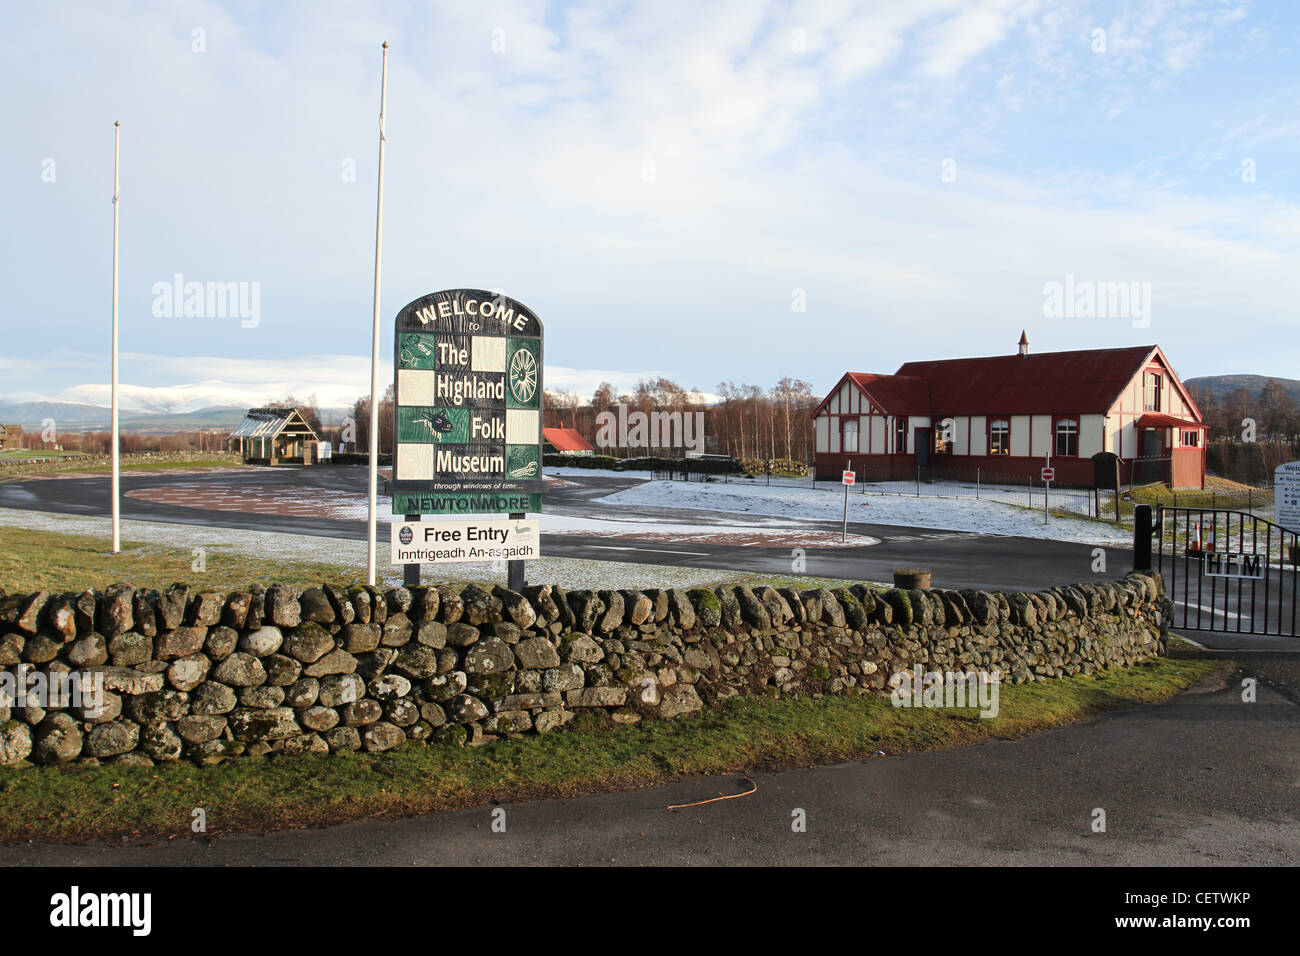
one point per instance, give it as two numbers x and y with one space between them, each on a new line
922 439
1151 456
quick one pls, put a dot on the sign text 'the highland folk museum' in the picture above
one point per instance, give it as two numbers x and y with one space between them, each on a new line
467 405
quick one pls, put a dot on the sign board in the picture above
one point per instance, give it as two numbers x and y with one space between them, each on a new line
1105 470
467 405
1286 495
1048 474
849 477
449 542
1215 564
324 451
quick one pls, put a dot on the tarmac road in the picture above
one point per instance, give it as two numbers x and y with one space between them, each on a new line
957 559
1203 779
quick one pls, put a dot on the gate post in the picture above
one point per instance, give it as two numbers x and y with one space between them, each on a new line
1142 538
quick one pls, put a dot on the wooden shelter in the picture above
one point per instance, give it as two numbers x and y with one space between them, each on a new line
274 436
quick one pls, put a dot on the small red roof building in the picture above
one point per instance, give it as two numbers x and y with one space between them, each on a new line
566 441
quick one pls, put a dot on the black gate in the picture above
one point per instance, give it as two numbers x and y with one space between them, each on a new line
1228 571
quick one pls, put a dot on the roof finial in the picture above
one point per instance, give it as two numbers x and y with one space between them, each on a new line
1024 344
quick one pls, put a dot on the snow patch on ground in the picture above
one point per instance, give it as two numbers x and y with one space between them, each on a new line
768 533
950 514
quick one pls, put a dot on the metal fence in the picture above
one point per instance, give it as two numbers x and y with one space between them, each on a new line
1227 570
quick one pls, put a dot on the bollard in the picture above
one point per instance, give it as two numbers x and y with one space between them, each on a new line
1142 538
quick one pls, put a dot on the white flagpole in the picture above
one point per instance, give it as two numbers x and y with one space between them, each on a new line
117 537
374 348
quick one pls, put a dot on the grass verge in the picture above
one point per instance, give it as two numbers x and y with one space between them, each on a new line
80 804
160 465
14 468
32 560
53 561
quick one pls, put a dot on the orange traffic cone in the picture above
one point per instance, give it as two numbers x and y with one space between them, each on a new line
1195 543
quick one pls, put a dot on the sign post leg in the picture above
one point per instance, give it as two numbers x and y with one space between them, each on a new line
844 531
411 572
515 569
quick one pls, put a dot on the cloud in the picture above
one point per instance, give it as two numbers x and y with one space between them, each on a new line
958 40
656 180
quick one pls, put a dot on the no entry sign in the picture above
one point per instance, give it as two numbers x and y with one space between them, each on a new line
467 405
1049 474
849 477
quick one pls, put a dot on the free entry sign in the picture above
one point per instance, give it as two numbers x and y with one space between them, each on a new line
485 539
467 406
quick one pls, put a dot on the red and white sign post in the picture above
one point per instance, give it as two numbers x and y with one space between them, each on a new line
1047 474
848 477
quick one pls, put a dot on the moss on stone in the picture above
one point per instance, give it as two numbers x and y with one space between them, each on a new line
703 597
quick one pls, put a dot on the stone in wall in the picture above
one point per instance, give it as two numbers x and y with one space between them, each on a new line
208 677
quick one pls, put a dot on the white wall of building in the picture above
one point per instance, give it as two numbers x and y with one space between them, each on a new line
1019 436
961 435
1092 432
1041 442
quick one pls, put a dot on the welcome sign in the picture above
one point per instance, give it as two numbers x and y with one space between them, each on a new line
467 405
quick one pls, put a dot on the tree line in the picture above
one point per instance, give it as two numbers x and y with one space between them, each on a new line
742 420
1272 410
746 421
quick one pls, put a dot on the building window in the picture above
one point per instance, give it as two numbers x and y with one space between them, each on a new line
848 434
900 436
1067 438
1152 383
1191 439
999 437
943 436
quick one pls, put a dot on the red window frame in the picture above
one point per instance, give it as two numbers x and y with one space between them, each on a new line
1157 387
857 435
936 436
1006 420
1056 448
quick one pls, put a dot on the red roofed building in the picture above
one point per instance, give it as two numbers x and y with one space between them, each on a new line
1006 414
565 441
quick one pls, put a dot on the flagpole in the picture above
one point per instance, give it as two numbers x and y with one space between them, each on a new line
374 347
117 536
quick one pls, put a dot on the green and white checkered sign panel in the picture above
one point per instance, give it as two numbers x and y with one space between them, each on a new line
468 405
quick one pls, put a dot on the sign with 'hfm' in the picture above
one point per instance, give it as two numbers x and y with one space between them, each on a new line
467 406
1215 564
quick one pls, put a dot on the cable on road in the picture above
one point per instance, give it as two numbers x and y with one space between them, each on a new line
729 796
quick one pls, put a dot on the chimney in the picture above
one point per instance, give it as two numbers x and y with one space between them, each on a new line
1024 344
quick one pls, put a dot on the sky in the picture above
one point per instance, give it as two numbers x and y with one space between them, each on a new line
721 191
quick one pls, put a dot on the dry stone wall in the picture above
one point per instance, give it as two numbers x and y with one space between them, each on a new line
206 676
